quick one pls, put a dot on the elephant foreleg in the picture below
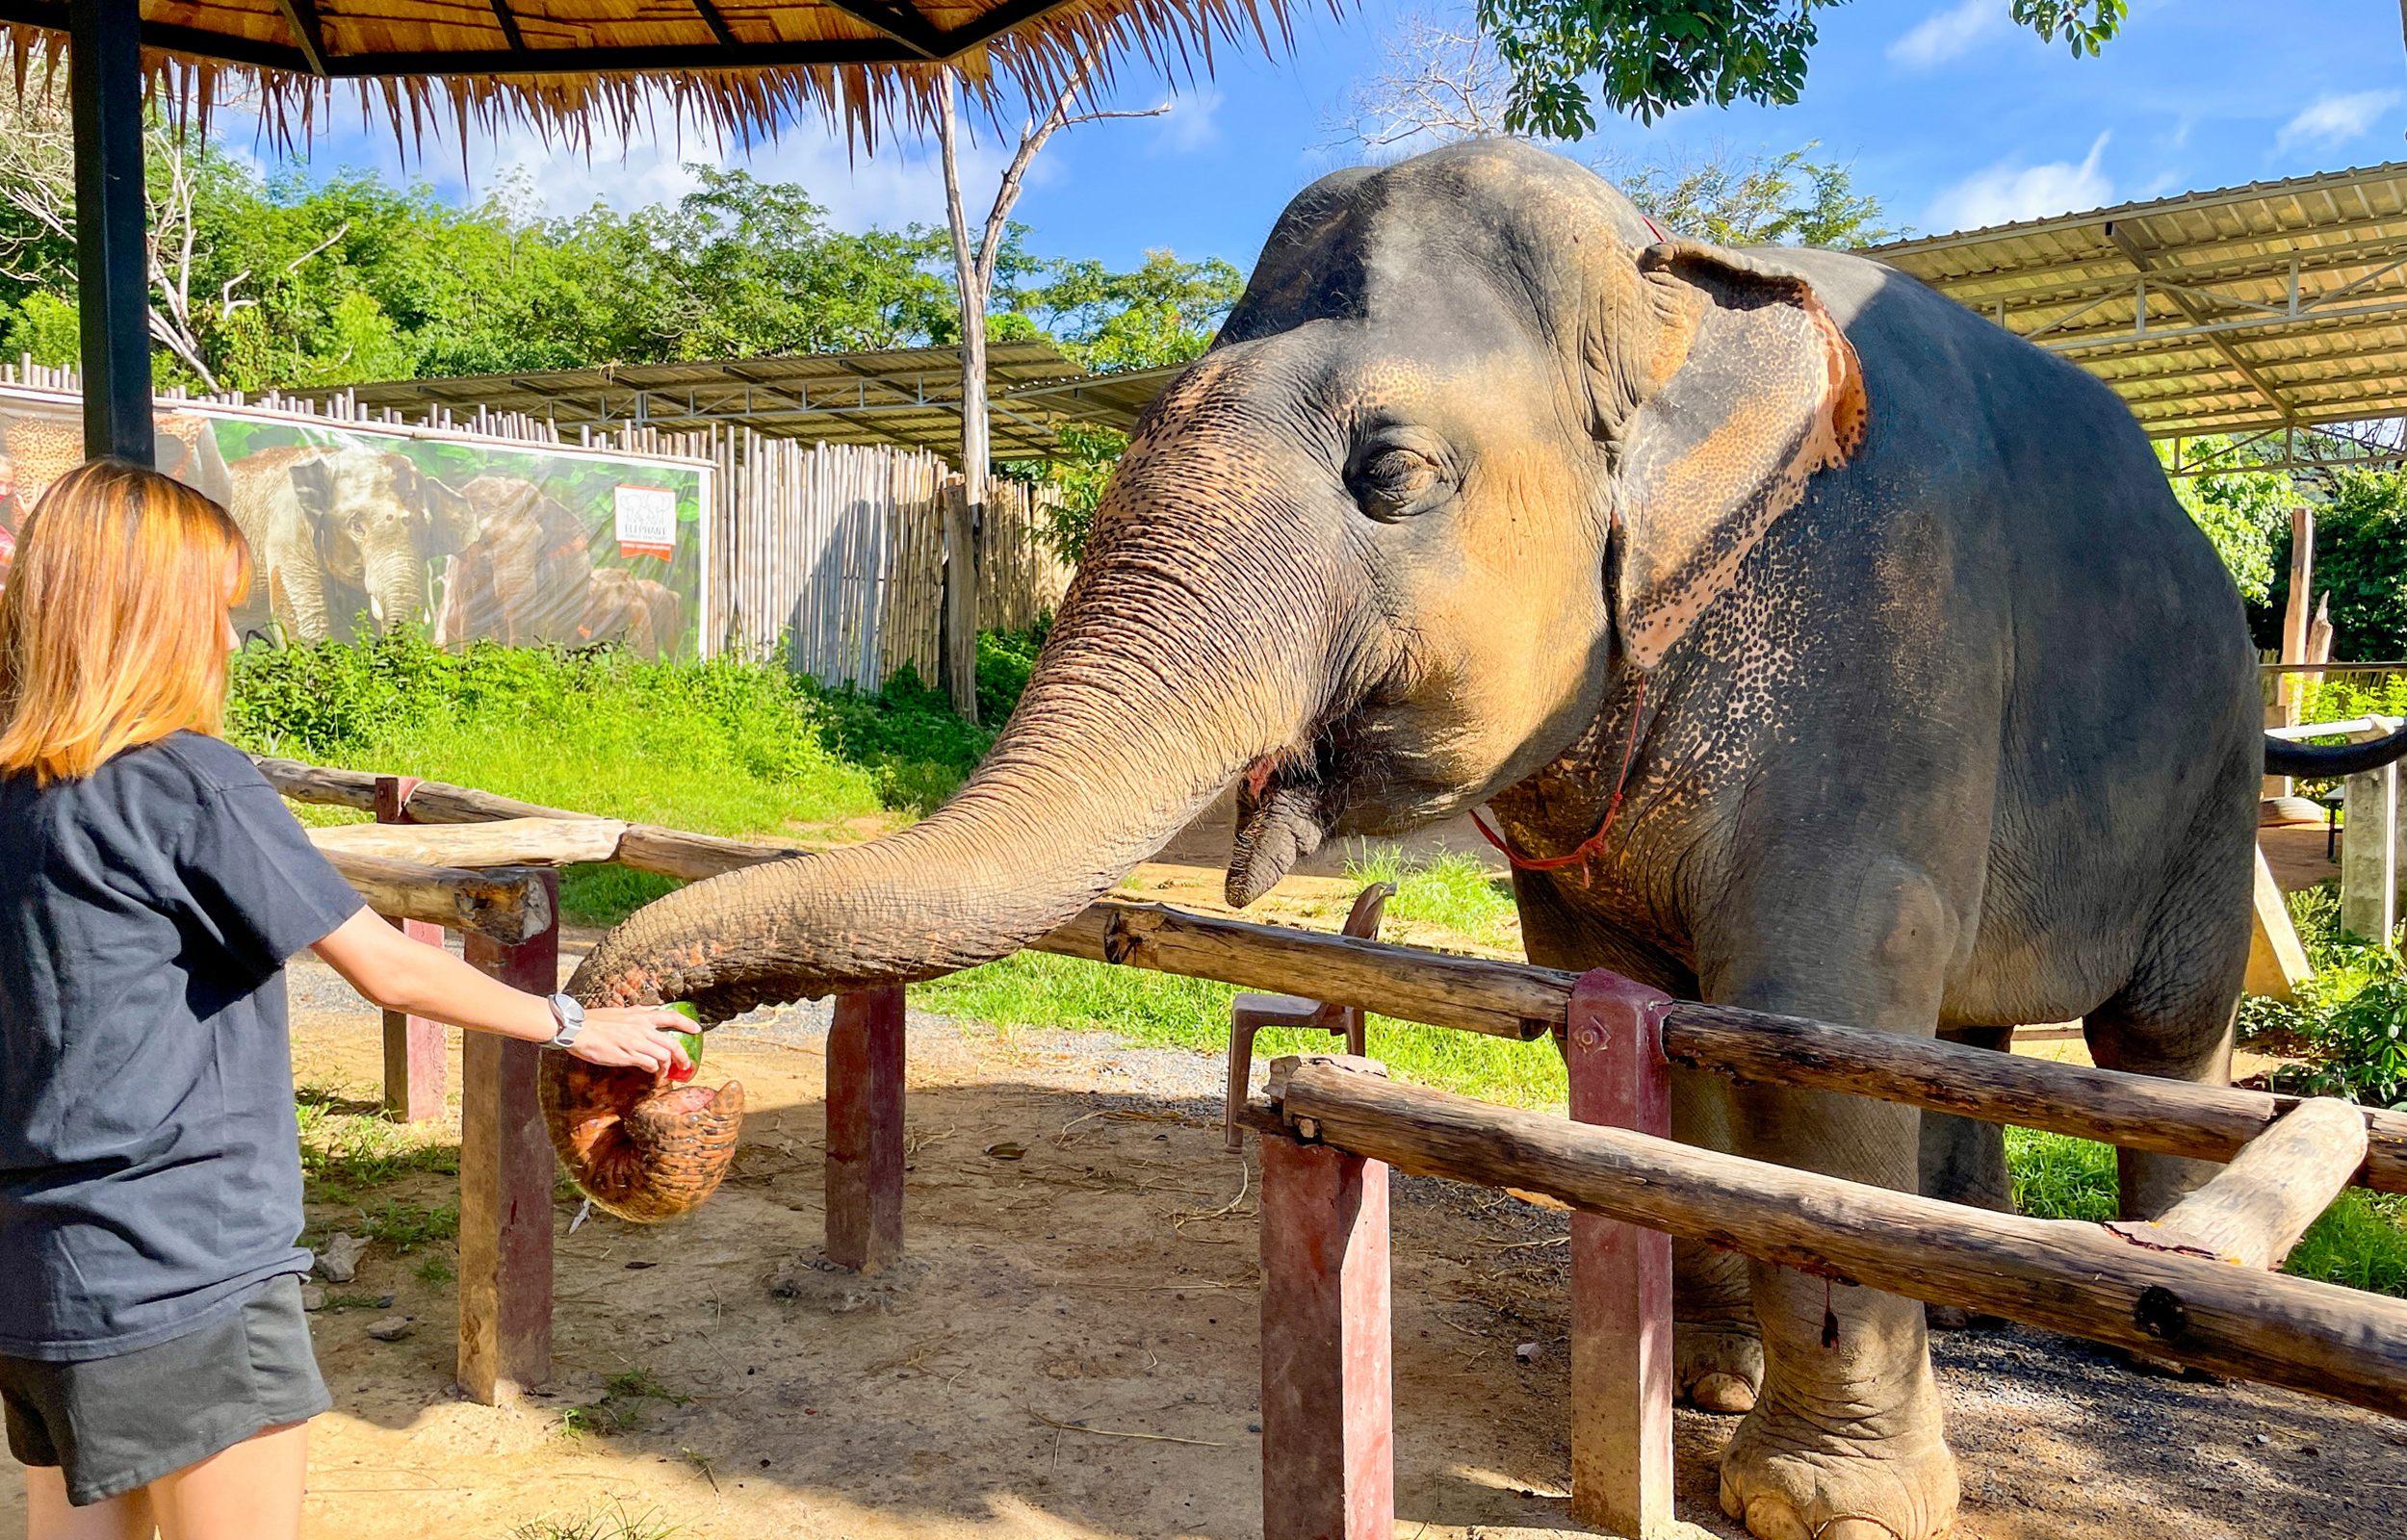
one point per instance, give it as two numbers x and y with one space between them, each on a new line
1718 1356
1845 1441
296 590
1963 1158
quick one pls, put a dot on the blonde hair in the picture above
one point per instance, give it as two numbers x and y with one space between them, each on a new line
112 625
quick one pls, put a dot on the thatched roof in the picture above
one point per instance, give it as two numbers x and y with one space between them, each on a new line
737 68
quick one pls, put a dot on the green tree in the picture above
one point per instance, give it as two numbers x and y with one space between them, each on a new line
2241 512
1760 200
1647 57
2361 560
1166 312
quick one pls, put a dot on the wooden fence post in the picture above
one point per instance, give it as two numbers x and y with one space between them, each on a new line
1328 1345
505 1183
413 1045
1622 1368
865 1130
2369 851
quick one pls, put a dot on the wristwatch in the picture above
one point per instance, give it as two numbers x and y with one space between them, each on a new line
572 1020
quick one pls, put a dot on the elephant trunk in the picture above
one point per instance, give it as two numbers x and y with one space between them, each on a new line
1174 667
391 581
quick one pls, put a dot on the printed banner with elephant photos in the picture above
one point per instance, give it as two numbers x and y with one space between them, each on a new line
355 531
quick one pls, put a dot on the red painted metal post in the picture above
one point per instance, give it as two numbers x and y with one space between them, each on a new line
1328 1347
505 1183
413 1045
865 1130
1622 1368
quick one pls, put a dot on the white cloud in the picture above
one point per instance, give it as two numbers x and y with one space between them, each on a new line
1192 123
1942 34
2006 192
2336 120
900 184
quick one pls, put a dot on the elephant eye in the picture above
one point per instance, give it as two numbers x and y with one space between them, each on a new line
1393 483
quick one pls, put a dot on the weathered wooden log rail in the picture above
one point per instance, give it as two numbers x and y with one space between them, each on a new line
1516 1000
2192 1285
2065 1274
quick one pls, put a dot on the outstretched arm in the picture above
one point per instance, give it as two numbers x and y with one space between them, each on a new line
400 974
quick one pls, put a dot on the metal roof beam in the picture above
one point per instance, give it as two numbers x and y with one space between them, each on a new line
2309 323
2015 283
2187 202
2147 261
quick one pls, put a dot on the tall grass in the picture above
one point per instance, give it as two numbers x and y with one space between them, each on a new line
1456 891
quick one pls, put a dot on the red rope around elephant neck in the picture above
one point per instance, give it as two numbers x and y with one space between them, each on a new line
1595 844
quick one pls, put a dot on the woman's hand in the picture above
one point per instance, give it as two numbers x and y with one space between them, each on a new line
400 974
636 1038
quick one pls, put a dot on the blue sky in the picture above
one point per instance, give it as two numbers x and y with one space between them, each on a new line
1950 116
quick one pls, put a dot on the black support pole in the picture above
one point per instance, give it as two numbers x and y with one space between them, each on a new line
112 266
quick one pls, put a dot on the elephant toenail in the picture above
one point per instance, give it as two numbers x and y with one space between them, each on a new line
1772 1518
1722 1392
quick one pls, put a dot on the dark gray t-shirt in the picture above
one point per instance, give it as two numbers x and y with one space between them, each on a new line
149 1163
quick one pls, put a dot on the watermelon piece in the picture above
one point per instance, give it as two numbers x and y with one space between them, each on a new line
693 1042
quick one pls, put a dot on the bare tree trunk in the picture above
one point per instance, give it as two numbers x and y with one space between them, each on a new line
973 270
965 509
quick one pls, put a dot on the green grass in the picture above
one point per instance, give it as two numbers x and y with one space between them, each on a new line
721 748
621 1407
613 1522
2361 1241
349 1147
1165 1010
407 1226
1455 892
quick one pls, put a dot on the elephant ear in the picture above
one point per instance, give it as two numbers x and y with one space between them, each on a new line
313 489
452 517
1745 389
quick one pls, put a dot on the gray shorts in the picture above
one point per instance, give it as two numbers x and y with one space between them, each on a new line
116 1424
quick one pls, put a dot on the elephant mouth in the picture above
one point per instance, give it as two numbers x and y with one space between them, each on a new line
1280 819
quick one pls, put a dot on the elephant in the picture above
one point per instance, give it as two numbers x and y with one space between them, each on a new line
1816 646
621 607
335 531
525 578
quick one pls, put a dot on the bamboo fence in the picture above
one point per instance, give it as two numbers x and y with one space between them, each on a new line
831 553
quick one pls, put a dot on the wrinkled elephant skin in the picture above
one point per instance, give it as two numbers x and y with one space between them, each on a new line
337 532
1819 646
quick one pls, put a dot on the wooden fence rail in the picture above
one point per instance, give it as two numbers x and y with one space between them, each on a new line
1523 1001
2063 1274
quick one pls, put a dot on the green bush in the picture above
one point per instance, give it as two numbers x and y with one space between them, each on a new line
2351 1017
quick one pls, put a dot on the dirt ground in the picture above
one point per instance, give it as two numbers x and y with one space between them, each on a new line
1071 1349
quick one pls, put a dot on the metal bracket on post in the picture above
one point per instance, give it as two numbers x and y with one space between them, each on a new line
1622 1367
1329 1382
865 1130
414 1069
506 1171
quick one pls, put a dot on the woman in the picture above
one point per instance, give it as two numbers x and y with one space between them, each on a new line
155 1365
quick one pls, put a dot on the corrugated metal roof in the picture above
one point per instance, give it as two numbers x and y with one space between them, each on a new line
907 395
2273 305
